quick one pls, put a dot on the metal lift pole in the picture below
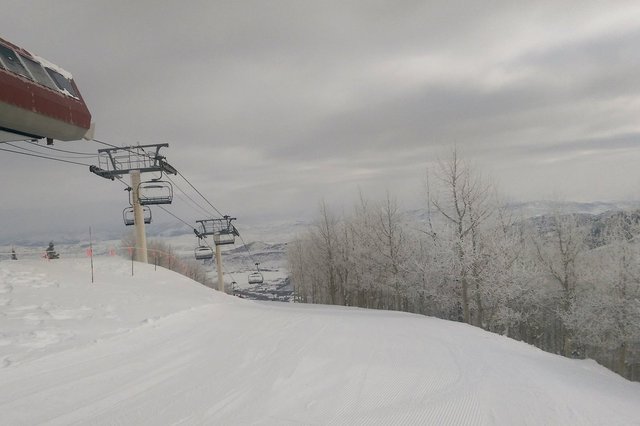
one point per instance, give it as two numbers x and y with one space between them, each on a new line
219 268
138 215
223 233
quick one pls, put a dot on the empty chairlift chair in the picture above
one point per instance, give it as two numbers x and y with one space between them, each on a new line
227 235
256 277
203 253
155 192
129 217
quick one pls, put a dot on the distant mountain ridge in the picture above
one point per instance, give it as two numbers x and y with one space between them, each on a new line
282 231
530 209
545 207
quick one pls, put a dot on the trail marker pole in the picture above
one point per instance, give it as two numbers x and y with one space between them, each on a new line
91 253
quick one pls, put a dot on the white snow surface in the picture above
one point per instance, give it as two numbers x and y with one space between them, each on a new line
158 348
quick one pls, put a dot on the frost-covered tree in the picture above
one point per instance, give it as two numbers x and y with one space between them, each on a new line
315 261
504 269
365 278
358 259
606 312
297 262
559 245
392 248
464 201
326 245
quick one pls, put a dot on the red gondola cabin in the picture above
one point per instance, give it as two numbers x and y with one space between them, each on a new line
38 99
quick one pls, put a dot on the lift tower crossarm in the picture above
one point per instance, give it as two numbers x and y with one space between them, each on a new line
103 173
117 161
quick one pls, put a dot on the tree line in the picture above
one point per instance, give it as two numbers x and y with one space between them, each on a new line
164 255
562 282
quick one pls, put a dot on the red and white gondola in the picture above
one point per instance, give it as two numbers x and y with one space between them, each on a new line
39 99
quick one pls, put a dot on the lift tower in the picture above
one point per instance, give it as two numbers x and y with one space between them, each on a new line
223 232
135 160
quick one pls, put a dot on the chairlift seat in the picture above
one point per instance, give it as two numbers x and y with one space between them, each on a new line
256 278
222 238
128 215
203 253
155 192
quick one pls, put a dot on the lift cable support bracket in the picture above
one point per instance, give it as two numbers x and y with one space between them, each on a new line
115 162
222 229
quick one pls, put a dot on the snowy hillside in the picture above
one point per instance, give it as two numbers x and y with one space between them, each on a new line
238 262
157 348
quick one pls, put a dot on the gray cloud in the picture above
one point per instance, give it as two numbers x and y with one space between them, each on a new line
270 106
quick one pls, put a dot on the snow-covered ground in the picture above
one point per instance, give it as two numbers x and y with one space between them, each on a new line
157 348
238 261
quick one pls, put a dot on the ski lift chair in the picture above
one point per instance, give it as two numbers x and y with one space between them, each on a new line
155 192
128 215
224 237
256 277
223 231
203 253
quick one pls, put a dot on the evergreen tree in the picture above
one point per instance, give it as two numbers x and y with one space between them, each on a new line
51 252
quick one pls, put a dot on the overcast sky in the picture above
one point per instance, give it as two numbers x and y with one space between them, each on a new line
271 106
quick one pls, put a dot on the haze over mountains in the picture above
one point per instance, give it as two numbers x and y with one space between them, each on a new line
253 229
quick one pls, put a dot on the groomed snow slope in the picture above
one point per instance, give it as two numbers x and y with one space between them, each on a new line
158 348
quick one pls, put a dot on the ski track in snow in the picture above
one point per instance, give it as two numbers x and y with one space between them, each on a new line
400 396
159 349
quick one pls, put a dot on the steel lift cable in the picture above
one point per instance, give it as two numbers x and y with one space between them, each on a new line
200 194
187 195
50 155
45 157
87 154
